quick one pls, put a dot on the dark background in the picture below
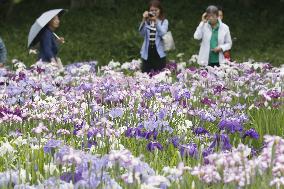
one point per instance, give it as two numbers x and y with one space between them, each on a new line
108 29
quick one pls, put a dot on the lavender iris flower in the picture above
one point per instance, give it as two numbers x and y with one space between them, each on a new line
51 145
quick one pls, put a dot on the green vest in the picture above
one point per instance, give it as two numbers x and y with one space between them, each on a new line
214 57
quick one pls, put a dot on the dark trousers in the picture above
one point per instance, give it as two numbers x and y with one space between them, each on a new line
217 64
154 62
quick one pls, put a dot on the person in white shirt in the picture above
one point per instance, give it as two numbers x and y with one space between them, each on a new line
215 38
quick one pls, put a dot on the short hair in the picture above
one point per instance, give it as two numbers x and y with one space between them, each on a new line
212 9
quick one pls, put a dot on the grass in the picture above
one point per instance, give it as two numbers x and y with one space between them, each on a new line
110 32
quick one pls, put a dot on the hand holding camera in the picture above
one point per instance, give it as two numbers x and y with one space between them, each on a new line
152 14
149 15
145 15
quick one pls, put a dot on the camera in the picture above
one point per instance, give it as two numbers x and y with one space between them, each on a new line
152 14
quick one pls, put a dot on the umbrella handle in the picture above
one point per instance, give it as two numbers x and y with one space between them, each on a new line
56 35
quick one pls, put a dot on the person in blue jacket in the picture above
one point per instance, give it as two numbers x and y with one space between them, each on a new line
154 25
49 43
3 53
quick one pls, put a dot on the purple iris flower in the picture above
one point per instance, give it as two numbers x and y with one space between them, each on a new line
188 150
175 141
200 131
86 87
134 132
151 146
67 177
17 111
218 89
186 94
225 142
77 128
231 125
207 152
149 134
162 114
22 76
274 94
252 133
92 132
39 70
222 140
207 101
172 66
90 143
116 112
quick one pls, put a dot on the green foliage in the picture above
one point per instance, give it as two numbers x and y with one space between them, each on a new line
110 31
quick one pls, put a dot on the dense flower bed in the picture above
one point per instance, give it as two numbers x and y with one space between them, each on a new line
114 127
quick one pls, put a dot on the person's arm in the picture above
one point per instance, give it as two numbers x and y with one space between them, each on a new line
143 25
198 34
227 42
142 28
162 27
